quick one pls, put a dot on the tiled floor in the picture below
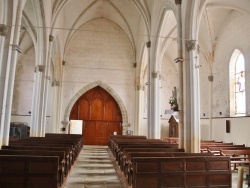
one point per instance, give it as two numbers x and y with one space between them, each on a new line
96 168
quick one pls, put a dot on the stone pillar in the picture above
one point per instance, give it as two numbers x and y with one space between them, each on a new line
10 60
192 127
55 105
138 108
36 103
155 115
179 60
210 79
46 86
3 34
3 47
148 45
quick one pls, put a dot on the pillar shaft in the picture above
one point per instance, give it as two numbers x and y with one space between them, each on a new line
179 60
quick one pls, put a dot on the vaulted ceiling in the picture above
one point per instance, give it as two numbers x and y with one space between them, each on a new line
133 16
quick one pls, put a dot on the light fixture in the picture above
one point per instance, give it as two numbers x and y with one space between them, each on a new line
16 47
198 66
178 59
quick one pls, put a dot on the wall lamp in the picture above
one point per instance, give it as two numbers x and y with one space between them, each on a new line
17 48
198 66
178 59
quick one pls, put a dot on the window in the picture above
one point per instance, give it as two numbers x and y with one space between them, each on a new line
237 82
240 95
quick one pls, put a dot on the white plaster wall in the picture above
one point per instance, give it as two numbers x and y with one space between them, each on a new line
235 34
239 130
24 81
100 51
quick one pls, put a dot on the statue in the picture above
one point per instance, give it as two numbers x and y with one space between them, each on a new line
173 100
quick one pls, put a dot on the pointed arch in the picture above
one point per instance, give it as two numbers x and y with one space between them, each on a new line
105 87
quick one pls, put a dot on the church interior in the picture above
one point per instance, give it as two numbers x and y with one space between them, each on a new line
95 75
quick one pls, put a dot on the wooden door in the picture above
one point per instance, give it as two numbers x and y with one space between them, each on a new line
101 116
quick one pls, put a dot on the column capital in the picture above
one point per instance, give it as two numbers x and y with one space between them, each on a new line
191 45
155 74
148 44
3 30
210 78
40 68
178 2
51 38
55 83
140 87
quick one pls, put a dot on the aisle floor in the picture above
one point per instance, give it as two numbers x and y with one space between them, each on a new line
95 167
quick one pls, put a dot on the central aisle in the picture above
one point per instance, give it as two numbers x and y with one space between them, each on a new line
95 167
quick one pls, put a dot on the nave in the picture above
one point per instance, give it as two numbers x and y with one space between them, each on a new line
95 167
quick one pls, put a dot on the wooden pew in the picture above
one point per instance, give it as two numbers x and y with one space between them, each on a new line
73 142
171 140
204 146
17 171
129 168
115 143
34 144
42 148
124 159
238 156
113 138
78 138
216 150
185 172
121 147
40 153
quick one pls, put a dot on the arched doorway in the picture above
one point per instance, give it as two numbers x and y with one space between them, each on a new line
101 116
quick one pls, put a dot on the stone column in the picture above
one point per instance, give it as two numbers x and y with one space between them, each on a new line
36 103
9 76
46 86
148 45
54 125
192 127
3 48
155 115
179 60
210 79
138 108
3 34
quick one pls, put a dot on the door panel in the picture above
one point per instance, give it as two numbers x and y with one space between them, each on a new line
101 116
83 108
96 109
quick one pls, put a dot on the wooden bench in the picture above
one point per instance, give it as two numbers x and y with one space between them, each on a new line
216 149
46 144
115 144
124 159
173 140
129 169
17 171
238 157
113 138
183 172
121 147
42 148
40 153
75 145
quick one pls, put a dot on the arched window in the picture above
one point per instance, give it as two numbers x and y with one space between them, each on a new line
237 74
